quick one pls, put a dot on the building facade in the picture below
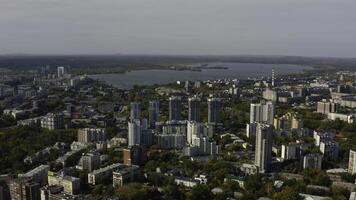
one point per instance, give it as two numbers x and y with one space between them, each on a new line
194 109
175 108
153 112
262 112
263 149
214 108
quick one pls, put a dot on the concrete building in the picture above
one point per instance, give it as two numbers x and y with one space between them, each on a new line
249 169
262 112
135 155
49 191
38 174
326 107
89 161
289 151
270 95
153 112
263 149
194 129
175 108
98 176
352 162
351 118
174 127
74 82
124 176
135 129
186 182
171 141
24 189
147 137
53 121
312 160
188 87
90 135
205 146
61 71
194 109
330 149
288 122
70 184
135 110
251 129
320 136
214 109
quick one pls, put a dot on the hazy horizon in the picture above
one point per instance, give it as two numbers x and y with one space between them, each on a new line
318 28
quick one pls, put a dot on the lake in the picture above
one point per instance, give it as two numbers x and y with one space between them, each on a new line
234 70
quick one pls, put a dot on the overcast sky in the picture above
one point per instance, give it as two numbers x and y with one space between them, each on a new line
234 27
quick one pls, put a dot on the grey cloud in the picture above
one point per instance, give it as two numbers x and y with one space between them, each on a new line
292 27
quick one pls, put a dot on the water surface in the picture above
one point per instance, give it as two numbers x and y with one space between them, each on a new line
235 70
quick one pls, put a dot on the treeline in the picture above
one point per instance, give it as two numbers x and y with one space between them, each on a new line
16 144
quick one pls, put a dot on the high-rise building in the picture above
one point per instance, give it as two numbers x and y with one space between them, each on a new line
61 71
53 121
135 155
194 109
352 162
194 129
263 148
262 112
188 87
214 107
135 111
24 189
153 112
251 129
88 135
289 151
273 78
175 108
171 141
135 129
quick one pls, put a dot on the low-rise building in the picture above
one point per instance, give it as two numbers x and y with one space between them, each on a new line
330 149
123 176
89 161
98 176
326 107
312 160
70 184
53 121
352 162
89 135
38 174
249 168
187 182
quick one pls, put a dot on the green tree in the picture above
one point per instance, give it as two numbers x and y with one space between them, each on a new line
200 192
287 193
